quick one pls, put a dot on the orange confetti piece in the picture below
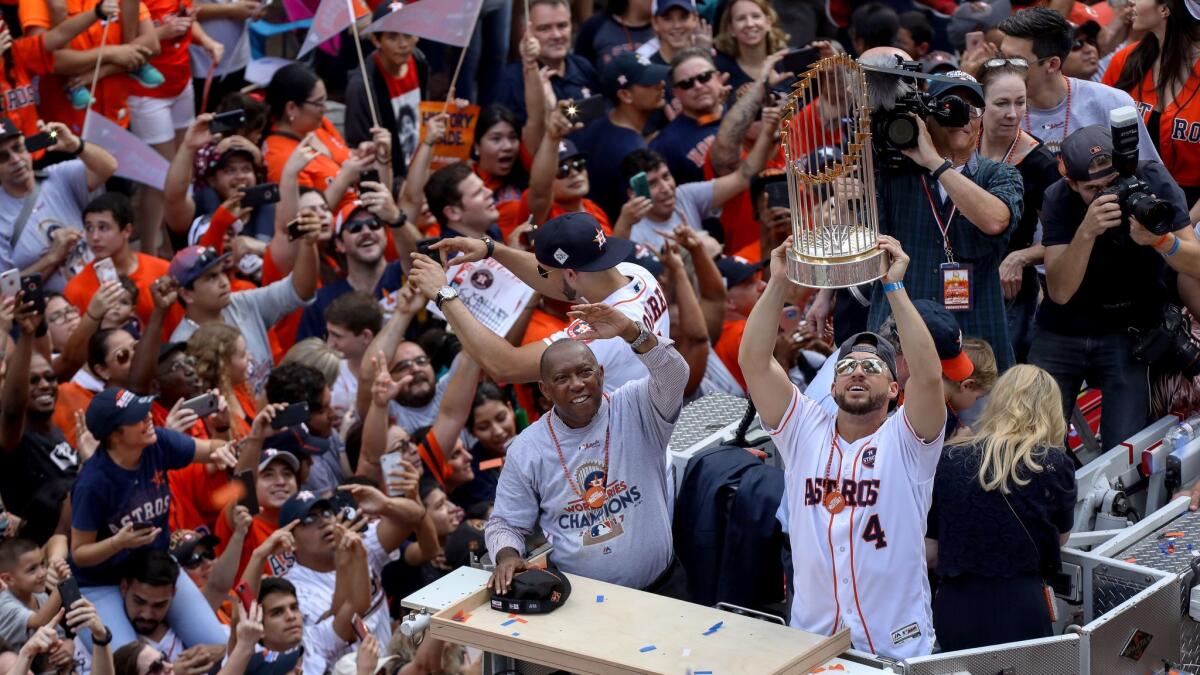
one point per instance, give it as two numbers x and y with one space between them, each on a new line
1131 560
460 617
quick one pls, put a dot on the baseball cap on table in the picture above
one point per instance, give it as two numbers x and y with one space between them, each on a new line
736 269
966 85
1087 154
976 16
575 241
8 129
947 339
301 504
114 408
870 343
185 542
274 663
190 263
628 69
534 591
661 7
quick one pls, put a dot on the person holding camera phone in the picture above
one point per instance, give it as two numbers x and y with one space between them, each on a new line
1105 276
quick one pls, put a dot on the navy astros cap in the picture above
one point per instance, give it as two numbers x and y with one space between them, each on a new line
274 663
575 241
947 339
661 7
8 129
567 149
114 408
628 69
736 269
301 504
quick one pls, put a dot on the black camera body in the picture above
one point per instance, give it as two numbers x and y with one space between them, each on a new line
1169 345
1133 193
894 127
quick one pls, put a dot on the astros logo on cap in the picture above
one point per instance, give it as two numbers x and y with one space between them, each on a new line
599 238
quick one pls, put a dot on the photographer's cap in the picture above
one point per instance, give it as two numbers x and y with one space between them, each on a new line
1087 154
966 84
575 241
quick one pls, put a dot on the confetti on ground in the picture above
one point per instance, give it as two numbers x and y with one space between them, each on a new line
516 618
509 622
1131 560
647 648
461 617
686 653
599 598
714 628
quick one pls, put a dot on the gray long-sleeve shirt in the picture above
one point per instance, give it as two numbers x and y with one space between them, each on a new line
628 540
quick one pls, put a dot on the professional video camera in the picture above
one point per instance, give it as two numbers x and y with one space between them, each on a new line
897 101
1133 193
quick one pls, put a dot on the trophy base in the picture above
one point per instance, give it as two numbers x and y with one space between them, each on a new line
836 273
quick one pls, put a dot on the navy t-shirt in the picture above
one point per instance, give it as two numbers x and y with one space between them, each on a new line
578 81
601 39
684 143
606 144
106 497
312 322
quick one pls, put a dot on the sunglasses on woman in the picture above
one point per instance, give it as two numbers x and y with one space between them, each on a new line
566 166
1015 62
123 355
870 366
688 83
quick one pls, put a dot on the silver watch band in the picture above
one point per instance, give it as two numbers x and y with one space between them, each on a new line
643 335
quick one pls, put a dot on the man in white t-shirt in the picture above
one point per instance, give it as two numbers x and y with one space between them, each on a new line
573 260
859 483
591 473
351 322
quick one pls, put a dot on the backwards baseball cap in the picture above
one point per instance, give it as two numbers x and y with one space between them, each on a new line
947 339
8 129
976 16
575 241
628 69
185 542
1087 154
736 269
966 85
274 663
114 408
661 7
534 591
191 263
300 505
871 343
275 455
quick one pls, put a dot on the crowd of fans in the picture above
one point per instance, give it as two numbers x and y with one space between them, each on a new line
245 411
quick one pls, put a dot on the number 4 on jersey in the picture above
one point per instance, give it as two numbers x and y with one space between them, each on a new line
874 533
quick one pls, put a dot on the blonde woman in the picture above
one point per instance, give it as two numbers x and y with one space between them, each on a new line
748 33
222 363
1003 501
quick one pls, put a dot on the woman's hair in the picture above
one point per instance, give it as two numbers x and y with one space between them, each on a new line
988 76
97 352
984 360
489 117
212 346
1022 417
316 354
290 84
255 109
725 41
125 659
1182 33
486 391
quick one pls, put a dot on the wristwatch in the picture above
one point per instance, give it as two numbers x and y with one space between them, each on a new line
643 335
491 246
445 293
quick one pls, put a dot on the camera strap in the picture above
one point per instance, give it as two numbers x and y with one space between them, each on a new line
943 226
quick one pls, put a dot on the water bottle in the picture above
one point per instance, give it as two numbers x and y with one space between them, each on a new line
1181 434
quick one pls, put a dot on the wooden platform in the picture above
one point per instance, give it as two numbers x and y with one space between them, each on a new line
605 628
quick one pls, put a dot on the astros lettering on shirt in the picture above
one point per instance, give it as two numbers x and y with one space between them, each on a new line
642 300
863 567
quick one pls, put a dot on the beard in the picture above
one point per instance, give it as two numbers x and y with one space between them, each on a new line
417 394
872 404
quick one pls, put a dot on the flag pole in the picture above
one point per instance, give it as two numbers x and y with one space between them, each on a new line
362 64
454 80
95 76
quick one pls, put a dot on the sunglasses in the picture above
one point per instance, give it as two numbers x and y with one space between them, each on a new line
870 366
404 365
358 225
1080 43
123 354
35 379
62 315
543 272
1015 62
566 166
316 517
158 667
702 78
197 558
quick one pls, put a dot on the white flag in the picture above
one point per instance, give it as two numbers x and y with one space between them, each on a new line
447 21
136 160
332 17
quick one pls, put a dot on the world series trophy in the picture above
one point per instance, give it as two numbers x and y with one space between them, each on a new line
826 139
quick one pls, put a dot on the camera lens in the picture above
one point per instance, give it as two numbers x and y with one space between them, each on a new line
901 132
1153 213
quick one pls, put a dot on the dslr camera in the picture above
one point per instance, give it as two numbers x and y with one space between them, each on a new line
1168 345
897 105
1133 193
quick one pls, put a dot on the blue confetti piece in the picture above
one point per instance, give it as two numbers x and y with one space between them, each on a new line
716 626
516 635
599 598
509 622
647 648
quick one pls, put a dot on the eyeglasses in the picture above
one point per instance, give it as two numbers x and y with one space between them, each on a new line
357 226
1016 62
181 365
870 366
974 113
17 150
567 165
316 517
158 667
63 315
123 354
197 558
543 272
702 78
404 365
317 104
35 379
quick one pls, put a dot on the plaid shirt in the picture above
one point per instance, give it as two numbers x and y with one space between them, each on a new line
909 218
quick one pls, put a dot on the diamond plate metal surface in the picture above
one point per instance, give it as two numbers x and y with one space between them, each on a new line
1155 613
704 417
1058 655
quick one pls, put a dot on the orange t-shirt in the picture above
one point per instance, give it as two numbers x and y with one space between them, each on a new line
19 98
541 326
71 397
173 60
727 348
111 92
260 529
1179 123
318 173
83 286
737 214
511 217
193 489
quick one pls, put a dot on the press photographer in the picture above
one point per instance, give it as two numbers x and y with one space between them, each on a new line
1111 228
952 208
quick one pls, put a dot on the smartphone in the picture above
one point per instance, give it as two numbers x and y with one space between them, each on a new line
777 195
640 185
244 594
249 494
258 195
974 40
789 319
797 61
344 505
588 109
295 413
68 590
106 271
423 247
10 283
142 526
31 287
41 141
371 175
227 122
389 463
360 627
203 405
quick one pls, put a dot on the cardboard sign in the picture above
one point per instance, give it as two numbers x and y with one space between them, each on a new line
460 133
495 296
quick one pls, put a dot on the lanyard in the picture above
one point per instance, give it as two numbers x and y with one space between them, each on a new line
591 496
943 226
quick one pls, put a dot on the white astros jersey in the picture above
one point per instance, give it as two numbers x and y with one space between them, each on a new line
862 567
642 300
